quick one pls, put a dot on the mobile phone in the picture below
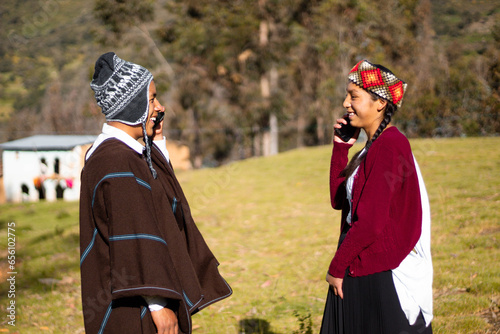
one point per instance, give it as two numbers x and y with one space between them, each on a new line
159 118
346 131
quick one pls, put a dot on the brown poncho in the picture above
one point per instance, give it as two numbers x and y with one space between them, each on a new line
137 238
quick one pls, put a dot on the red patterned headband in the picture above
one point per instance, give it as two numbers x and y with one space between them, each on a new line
379 80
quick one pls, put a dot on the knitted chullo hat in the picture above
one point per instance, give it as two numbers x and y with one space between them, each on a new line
122 91
379 80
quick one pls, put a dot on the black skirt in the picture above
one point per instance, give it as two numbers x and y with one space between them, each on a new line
370 305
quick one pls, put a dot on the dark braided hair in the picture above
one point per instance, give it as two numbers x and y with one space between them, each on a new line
148 142
358 158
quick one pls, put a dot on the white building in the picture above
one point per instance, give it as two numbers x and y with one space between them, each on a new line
44 167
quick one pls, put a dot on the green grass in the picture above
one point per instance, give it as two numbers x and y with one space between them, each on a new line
269 222
46 248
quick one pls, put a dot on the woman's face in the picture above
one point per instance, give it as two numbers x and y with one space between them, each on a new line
364 111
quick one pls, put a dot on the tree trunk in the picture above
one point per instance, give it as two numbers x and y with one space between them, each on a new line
196 139
268 86
257 141
273 119
301 127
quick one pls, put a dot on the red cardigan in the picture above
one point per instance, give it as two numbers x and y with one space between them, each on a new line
387 213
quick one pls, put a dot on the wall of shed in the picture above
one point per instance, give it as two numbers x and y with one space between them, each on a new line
27 178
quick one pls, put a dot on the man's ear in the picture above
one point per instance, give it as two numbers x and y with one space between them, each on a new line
381 104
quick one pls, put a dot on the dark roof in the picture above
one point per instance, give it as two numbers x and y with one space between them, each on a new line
47 143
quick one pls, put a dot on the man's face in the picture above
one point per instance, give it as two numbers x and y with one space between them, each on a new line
154 108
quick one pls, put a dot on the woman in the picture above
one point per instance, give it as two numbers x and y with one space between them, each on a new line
381 275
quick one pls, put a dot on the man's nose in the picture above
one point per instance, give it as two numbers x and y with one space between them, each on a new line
159 107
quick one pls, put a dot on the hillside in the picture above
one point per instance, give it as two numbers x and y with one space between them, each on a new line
270 224
46 63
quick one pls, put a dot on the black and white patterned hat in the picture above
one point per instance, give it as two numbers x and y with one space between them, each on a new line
121 89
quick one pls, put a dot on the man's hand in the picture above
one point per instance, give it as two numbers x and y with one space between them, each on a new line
336 284
165 321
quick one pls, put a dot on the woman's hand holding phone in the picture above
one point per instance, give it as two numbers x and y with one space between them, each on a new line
345 132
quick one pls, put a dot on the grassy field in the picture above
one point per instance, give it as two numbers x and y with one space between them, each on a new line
270 224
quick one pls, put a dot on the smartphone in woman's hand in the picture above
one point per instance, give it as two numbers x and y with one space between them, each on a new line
346 131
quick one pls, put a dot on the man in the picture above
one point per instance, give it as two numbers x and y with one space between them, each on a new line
145 267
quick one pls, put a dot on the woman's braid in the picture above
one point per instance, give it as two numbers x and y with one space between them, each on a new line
360 156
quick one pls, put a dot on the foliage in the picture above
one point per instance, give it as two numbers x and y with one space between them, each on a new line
209 59
119 15
270 224
305 323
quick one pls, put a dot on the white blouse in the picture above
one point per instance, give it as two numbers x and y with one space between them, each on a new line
413 277
348 186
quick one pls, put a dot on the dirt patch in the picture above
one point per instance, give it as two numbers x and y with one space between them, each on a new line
492 314
491 230
2 191
4 269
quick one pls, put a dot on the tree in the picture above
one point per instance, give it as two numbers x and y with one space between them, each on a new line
120 15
